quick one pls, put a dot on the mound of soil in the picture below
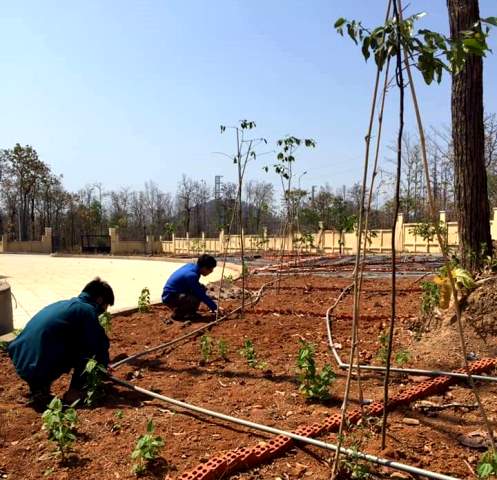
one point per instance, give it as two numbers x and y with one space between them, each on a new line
440 347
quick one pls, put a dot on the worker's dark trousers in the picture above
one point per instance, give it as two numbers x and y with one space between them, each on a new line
183 305
41 387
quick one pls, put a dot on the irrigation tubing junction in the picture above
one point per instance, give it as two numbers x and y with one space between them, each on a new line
411 371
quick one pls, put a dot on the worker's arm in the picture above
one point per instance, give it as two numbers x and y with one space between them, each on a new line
94 342
198 291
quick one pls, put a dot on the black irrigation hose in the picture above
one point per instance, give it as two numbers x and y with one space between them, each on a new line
162 346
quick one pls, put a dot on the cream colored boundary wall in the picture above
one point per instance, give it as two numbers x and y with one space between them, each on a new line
323 241
31 246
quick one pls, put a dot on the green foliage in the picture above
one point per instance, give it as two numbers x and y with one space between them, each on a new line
402 357
206 347
430 298
197 245
60 425
313 384
245 269
4 345
425 48
228 278
285 157
355 469
487 466
223 349
105 320
427 231
306 240
147 449
383 350
95 374
462 279
248 352
144 300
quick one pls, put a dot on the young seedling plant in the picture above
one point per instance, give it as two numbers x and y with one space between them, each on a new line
430 298
313 385
146 450
144 301
205 348
487 466
60 425
223 349
95 374
248 352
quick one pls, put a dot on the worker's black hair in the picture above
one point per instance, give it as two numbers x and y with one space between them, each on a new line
207 261
98 288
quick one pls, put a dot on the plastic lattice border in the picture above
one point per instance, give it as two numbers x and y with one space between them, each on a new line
248 457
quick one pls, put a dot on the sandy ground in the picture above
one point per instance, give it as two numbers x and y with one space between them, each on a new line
38 280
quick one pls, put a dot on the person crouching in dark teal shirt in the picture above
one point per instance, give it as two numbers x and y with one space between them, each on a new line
61 337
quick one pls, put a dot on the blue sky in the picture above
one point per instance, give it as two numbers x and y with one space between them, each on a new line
124 92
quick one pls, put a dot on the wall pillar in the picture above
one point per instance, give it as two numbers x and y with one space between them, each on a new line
173 240
114 240
221 240
399 233
493 226
46 240
149 244
203 242
264 239
4 243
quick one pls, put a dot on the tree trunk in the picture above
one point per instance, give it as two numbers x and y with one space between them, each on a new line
469 144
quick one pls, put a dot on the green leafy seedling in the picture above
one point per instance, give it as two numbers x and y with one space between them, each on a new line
430 298
487 466
402 357
223 349
206 347
313 384
248 352
60 425
105 320
144 300
95 374
147 449
383 350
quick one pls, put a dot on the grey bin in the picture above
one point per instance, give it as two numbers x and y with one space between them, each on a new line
6 317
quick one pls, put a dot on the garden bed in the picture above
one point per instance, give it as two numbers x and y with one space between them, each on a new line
268 395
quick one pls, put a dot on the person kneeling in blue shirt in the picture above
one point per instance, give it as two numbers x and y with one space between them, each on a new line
61 337
183 292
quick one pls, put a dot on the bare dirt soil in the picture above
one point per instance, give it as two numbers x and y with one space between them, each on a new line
269 395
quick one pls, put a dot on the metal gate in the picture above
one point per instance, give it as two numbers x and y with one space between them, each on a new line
95 243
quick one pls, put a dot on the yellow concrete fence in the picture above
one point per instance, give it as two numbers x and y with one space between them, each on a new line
322 241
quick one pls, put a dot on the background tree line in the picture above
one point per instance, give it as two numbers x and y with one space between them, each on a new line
33 197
